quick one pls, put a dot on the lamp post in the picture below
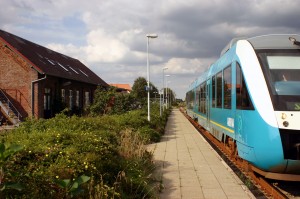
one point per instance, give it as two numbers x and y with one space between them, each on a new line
160 102
167 90
149 36
163 104
169 95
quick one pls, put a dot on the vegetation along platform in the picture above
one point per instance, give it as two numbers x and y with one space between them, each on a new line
190 168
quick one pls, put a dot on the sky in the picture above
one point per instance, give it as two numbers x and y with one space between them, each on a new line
109 36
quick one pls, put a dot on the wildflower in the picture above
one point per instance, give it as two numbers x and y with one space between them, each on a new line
57 177
86 166
46 155
29 151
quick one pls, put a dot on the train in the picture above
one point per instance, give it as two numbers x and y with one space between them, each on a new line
251 95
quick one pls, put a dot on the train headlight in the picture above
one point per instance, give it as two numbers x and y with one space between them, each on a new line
283 116
285 123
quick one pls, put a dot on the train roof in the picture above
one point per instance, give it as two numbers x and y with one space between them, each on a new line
272 41
279 41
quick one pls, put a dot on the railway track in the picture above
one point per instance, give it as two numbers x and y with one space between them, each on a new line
257 184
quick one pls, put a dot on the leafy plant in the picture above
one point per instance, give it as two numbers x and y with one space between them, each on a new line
7 150
73 187
110 149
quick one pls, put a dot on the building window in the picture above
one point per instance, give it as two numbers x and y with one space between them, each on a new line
87 98
77 99
63 95
47 99
71 99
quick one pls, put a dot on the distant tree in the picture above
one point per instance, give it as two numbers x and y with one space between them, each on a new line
171 95
139 88
139 91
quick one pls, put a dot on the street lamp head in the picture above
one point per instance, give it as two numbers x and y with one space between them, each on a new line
152 36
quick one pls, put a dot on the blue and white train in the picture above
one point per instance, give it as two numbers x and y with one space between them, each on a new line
251 95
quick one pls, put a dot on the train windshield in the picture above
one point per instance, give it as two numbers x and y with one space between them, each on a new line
282 73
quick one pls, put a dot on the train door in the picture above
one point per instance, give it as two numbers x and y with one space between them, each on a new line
208 103
243 104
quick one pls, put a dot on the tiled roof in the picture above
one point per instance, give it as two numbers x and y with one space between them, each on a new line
124 86
49 62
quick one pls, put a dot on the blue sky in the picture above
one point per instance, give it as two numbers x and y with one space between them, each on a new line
110 36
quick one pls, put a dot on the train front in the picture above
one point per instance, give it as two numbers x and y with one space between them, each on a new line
281 67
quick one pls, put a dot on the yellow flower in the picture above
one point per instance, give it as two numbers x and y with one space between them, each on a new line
57 176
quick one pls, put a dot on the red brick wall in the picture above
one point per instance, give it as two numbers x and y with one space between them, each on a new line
15 79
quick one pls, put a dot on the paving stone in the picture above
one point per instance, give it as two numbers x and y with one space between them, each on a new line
190 168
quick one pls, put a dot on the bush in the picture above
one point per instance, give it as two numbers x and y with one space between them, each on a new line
104 156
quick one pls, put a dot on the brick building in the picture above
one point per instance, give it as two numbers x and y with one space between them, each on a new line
38 82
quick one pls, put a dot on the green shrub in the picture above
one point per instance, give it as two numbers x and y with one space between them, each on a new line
109 150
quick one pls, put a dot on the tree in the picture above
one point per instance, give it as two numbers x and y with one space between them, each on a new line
109 101
171 95
139 91
139 88
102 101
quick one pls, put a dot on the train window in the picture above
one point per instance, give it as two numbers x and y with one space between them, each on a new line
189 99
198 97
203 98
227 87
243 100
281 69
219 90
213 92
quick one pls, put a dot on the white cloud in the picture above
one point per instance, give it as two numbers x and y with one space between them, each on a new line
104 48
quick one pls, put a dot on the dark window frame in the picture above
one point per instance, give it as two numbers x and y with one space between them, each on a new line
243 100
227 90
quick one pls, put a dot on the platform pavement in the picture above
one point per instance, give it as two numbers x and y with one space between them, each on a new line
190 168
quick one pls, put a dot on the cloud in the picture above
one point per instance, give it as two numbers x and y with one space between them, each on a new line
110 36
104 48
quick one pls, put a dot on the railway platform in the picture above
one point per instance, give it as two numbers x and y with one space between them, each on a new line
190 168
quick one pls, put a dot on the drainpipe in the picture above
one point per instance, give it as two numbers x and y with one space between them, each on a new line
32 93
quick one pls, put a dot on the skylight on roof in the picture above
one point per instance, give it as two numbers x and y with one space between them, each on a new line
73 70
51 62
39 55
62 66
83 73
